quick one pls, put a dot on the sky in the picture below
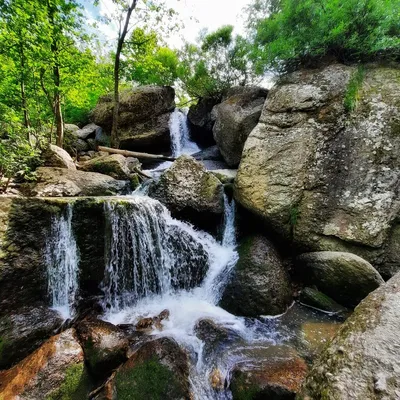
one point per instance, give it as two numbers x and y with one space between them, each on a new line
195 14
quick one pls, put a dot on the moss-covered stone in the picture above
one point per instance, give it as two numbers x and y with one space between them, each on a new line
115 165
314 298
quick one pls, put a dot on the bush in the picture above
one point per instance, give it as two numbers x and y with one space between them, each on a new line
301 32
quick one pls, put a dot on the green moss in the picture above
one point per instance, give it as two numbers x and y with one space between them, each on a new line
149 380
243 390
75 385
3 345
135 181
294 216
352 95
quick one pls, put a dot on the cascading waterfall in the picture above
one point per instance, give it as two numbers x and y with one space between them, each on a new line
62 260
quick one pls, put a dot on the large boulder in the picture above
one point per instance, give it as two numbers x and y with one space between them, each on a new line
144 114
87 132
105 346
362 361
260 283
59 182
115 165
345 277
322 166
235 118
201 121
55 156
190 192
54 371
158 370
23 331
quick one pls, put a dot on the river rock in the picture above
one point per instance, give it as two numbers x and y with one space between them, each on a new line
362 361
70 128
54 371
23 331
191 192
56 182
260 284
211 153
225 176
235 118
105 346
55 156
87 132
144 114
276 378
345 277
157 370
323 176
201 121
314 298
114 165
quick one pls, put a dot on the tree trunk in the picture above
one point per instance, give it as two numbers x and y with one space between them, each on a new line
121 40
141 156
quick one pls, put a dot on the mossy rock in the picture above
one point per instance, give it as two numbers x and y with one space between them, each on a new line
314 298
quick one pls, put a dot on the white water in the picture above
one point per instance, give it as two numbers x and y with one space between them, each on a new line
62 261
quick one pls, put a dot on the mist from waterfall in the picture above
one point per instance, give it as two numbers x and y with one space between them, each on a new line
62 261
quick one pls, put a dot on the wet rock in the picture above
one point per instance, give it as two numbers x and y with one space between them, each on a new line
277 378
314 298
158 370
115 165
150 323
235 118
225 175
322 176
144 114
217 380
345 277
201 121
260 284
208 331
210 153
361 362
105 346
24 331
190 192
56 182
54 371
55 156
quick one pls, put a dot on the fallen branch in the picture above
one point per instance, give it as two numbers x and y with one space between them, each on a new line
143 156
140 172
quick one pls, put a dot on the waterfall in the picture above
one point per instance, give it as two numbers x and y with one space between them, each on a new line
62 260
229 232
180 135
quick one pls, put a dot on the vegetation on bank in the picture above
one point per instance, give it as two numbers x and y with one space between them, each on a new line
54 68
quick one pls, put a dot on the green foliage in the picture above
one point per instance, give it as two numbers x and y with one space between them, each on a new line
149 380
299 32
352 93
218 62
294 216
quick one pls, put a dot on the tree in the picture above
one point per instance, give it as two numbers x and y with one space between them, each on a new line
302 32
218 62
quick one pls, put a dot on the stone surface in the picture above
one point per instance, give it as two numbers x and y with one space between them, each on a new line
314 298
105 346
88 131
56 182
235 118
211 153
159 370
201 121
114 165
323 177
23 331
362 361
189 191
345 277
54 371
277 378
55 156
225 175
260 284
143 117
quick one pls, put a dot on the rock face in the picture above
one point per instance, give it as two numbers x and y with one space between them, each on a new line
115 165
345 277
260 284
158 370
143 117
235 118
54 371
278 378
323 176
362 360
201 121
24 331
55 156
59 182
191 192
105 346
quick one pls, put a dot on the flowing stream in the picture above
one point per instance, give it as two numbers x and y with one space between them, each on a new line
62 260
